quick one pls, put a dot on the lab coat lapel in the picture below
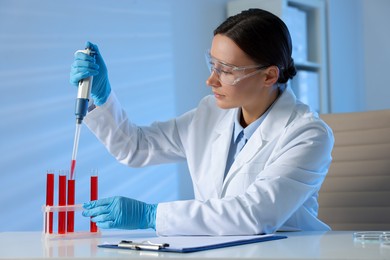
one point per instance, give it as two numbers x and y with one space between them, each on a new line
279 116
219 151
270 128
253 146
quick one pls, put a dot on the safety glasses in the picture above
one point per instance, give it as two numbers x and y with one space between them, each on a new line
230 74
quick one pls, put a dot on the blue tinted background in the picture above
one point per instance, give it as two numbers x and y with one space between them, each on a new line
155 54
136 38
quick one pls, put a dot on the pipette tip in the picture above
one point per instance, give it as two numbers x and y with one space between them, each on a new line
72 167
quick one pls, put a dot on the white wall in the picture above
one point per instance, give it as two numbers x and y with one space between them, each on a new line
376 40
359 54
193 26
345 52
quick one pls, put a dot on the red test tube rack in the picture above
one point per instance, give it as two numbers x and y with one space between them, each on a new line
64 212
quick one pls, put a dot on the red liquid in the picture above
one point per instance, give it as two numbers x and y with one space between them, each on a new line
94 196
49 201
71 199
62 202
72 166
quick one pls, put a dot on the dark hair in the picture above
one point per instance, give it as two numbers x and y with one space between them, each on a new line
264 37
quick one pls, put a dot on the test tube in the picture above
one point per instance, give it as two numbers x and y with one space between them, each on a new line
71 201
94 194
62 202
49 201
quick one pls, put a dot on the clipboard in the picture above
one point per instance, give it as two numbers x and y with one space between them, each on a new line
189 244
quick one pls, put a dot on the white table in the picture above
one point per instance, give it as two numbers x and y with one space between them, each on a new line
298 245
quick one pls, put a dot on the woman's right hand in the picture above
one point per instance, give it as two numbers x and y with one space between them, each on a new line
85 66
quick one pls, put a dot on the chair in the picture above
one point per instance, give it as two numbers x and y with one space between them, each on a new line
356 192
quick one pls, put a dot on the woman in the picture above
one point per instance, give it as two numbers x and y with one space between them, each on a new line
257 156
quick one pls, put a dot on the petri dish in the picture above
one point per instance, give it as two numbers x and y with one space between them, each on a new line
385 238
372 236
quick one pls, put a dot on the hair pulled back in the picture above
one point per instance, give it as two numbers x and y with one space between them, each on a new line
264 37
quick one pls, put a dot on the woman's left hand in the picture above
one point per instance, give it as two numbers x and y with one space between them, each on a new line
121 212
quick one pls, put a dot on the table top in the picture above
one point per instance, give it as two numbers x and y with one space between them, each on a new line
298 245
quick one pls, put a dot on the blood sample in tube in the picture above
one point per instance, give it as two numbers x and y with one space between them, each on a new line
71 199
94 195
49 201
62 202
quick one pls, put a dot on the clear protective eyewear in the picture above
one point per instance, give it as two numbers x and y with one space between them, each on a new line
230 74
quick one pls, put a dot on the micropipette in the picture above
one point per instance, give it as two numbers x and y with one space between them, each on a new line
82 100
84 90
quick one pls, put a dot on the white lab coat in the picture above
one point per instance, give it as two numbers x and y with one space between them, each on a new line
273 183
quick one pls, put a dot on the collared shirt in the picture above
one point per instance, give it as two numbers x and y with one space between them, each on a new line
241 136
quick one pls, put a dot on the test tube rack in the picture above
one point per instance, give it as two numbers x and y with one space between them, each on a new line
62 210
57 209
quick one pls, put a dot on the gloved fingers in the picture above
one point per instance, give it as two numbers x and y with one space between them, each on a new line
92 46
76 77
78 55
97 207
84 64
82 72
97 203
77 74
81 65
82 69
96 211
106 225
103 218
98 56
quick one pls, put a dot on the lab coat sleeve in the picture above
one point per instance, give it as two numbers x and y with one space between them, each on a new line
133 145
292 174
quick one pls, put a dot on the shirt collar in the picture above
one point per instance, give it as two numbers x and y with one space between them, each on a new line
237 126
250 129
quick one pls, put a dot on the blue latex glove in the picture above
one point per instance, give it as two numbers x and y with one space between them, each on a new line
121 212
85 66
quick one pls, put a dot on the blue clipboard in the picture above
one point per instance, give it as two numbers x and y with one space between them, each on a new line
189 244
